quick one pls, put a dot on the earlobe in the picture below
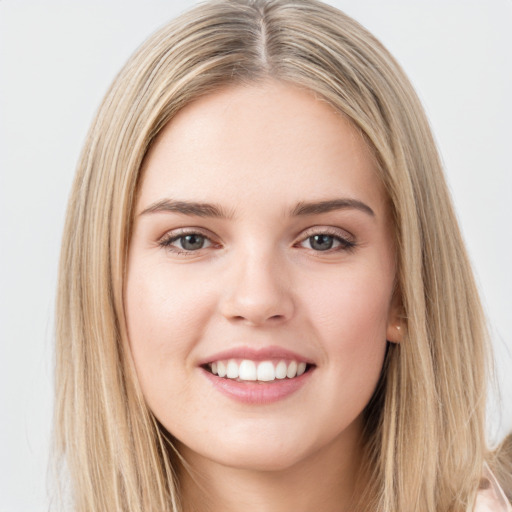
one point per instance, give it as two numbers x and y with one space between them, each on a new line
394 332
396 326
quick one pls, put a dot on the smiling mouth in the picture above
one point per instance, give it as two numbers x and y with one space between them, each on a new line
246 370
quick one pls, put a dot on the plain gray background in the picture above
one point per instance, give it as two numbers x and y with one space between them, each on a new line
56 60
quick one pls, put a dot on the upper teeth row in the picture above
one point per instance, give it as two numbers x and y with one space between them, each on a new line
264 370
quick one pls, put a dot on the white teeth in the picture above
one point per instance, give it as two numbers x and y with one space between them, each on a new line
221 369
232 370
248 370
292 370
265 371
281 370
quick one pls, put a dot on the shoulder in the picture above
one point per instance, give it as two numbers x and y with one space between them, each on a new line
490 496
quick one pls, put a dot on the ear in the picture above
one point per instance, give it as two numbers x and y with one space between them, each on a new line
396 325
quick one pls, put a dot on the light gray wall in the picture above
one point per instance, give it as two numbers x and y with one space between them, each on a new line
56 61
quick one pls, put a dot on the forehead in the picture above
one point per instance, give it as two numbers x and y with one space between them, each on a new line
249 145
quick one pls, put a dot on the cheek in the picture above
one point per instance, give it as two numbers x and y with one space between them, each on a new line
165 317
162 322
163 308
351 305
350 317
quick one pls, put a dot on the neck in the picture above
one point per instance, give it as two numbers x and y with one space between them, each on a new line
324 480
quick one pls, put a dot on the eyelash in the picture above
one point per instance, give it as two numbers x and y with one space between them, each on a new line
168 239
344 243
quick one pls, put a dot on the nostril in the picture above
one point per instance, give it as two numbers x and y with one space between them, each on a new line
255 319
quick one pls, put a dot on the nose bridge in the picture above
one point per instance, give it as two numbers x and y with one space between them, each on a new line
258 289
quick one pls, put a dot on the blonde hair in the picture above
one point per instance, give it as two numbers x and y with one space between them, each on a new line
425 429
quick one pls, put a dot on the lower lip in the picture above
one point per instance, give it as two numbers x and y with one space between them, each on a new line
251 392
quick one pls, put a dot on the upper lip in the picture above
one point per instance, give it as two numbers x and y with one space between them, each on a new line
256 354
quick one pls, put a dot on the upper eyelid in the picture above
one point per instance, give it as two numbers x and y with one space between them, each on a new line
329 230
207 233
177 233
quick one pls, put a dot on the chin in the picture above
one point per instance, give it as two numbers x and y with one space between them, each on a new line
262 452
261 459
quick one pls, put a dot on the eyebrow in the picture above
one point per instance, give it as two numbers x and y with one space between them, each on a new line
188 208
213 210
328 206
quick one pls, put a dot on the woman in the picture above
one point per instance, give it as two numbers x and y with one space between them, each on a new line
264 296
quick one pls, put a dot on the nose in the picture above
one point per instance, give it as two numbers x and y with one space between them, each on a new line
258 292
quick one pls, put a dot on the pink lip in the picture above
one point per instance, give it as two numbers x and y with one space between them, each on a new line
271 353
257 392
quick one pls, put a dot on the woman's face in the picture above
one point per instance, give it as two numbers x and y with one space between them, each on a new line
262 247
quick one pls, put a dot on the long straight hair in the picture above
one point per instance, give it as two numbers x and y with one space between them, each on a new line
425 429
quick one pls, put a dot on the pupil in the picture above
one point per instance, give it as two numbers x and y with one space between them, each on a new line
321 242
192 242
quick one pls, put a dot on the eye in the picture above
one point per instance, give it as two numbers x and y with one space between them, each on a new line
185 242
327 241
321 242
